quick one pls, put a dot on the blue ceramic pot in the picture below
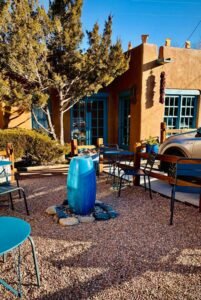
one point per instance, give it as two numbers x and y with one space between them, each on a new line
152 148
81 185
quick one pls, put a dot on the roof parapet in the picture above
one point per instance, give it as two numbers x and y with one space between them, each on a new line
168 42
144 38
187 44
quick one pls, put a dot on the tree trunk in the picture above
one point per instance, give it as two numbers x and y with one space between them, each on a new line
6 116
61 118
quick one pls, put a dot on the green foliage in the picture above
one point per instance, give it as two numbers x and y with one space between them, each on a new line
152 140
38 145
42 52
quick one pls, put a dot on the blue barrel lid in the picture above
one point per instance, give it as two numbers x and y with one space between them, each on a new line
81 164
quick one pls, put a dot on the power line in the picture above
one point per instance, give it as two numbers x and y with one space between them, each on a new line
193 31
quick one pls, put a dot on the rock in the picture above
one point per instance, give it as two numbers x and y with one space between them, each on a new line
51 210
98 202
69 221
86 219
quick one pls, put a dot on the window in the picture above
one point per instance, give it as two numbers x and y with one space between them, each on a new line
41 117
180 111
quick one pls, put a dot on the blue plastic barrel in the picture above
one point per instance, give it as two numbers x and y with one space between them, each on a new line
81 185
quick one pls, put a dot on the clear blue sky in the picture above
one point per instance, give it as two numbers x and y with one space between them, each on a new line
161 19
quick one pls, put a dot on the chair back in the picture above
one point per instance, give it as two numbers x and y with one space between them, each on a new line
150 163
188 175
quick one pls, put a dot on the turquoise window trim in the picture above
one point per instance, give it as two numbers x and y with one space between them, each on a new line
124 95
173 92
180 96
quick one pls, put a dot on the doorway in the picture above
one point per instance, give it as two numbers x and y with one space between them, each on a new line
89 120
124 120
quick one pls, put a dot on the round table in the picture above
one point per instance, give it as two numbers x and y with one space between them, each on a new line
13 233
5 163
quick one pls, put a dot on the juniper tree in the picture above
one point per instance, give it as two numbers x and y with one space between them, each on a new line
24 83
43 53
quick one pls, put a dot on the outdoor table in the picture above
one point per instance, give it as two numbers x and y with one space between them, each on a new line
119 155
13 233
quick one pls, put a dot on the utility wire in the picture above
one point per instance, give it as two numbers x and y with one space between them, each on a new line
193 31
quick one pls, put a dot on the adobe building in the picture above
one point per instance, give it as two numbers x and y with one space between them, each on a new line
160 85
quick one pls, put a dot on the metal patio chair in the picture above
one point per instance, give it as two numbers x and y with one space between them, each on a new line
186 178
138 172
7 188
106 152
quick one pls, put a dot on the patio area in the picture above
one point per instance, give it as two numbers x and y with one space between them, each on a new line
134 256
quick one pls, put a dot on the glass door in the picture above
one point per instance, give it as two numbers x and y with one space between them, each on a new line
124 121
89 120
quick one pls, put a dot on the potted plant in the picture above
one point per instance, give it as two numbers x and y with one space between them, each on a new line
152 144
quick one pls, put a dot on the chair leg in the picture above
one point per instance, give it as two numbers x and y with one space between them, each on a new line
18 263
172 206
11 201
19 192
120 184
35 260
25 201
150 192
4 258
145 185
109 172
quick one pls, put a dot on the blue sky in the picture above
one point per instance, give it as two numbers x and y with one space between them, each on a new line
161 19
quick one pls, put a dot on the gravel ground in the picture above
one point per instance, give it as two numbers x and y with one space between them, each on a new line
135 256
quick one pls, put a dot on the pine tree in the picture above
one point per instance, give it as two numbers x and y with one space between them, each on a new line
43 53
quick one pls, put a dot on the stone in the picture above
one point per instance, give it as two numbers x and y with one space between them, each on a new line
98 202
69 221
86 219
51 210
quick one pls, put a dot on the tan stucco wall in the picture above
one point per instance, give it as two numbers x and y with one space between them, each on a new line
24 121
21 121
184 72
130 81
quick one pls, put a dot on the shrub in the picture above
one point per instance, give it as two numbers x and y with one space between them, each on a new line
39 146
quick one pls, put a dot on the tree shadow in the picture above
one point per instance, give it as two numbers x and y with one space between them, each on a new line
116 274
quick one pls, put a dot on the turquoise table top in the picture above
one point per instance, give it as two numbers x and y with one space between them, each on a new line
13 232
119 152
5 163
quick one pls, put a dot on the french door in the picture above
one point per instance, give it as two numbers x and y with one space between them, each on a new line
124 120
89 120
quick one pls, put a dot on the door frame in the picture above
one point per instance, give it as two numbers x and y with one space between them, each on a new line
122 96
88 100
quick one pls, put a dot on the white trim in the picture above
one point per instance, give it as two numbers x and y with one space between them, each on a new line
181 92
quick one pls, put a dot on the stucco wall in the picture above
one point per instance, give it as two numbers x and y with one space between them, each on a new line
21 121
184 72
130 81
24 121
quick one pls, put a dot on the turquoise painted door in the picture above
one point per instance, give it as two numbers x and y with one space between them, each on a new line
124 121
89 120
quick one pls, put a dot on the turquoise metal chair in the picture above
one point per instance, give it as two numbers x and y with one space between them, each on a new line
13 233
6 187
186 178
138 172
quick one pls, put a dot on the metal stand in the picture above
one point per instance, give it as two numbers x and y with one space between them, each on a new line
18 292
